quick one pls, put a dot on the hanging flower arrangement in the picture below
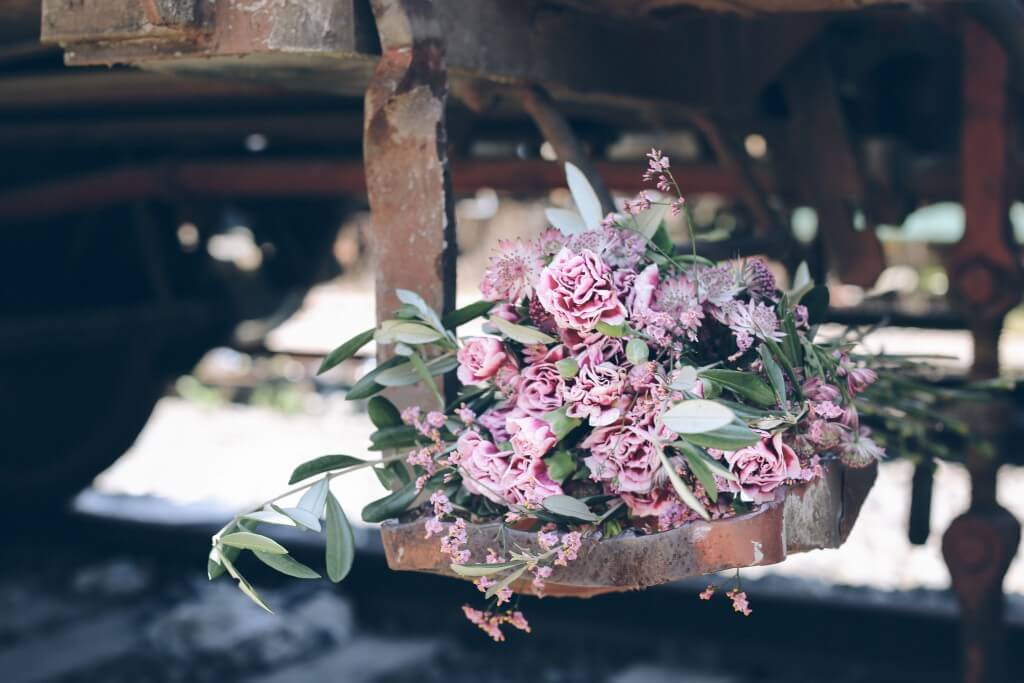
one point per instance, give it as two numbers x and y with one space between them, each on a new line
625 401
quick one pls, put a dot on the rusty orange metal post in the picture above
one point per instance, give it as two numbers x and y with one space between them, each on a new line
406 160
984 271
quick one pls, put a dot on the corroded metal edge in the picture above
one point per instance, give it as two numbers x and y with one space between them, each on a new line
819 514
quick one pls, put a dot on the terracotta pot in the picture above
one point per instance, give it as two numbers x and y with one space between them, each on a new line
819 514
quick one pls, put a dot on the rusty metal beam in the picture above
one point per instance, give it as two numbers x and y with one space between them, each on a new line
405 154
828 169
985 275
559 134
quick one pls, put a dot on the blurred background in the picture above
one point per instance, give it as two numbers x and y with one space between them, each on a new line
185 236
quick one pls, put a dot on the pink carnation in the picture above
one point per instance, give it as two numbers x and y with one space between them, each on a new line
483 466
480 359
496 419
623 457
761 469
595 394
540 388
531 437
577 290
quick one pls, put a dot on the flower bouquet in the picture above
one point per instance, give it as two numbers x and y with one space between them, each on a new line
631 416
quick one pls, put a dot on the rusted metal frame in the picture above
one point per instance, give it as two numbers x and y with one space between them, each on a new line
306 178
568 148
405 154
985 275
731 155
828 169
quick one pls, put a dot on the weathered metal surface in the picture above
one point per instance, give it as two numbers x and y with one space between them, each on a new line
985 276
635 8
406 160
828 169
804 517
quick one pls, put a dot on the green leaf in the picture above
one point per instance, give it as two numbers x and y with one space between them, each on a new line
704 476
461 316
214 566
610 330
302 518
647 222
584 196
247 540
325 463
315 498
244 585
716 467
774 373
685 379
346 350
661 240
743 384
422 370
475 570
520 333
367 386
728 438
504 583
567 506
682 490
637 352
560 465
568 222
802 282
561 424
791 342
388 438
427 313
406 373
407 332
568 367
286 564
697 416
341 544
391 505
816 302
269 517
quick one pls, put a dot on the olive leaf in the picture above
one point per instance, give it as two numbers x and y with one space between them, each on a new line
744 384
340 541
346 350
520 333
286 564
505 582
728 438
474 570
461 316
583 194
697 416
247 540
682 490
567 506
324 463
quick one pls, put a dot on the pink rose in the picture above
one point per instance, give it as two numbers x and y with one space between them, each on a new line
595 394
496 420
540 389
623 457
482 465
592 347
504 477
480 359
761 469
577 290
531 437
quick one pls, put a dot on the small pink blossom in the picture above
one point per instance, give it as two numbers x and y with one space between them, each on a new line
707 593
512 272
817 389
577 290
859 379
571 544
739 602
480 359
465 414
